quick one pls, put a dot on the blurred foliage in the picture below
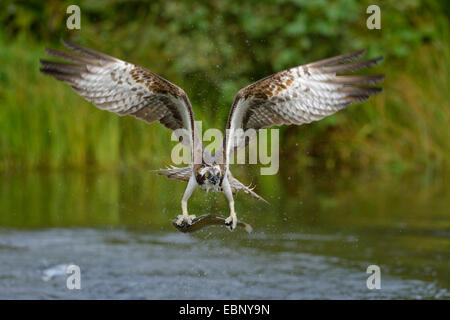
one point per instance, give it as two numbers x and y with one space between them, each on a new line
212 49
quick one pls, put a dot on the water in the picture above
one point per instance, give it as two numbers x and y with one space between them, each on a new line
315 240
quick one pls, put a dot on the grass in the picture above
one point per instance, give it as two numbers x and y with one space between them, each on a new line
404 129
46 126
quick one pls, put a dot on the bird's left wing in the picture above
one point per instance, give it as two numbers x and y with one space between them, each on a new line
124 88
298 95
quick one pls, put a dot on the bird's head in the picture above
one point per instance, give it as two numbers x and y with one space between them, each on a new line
211 174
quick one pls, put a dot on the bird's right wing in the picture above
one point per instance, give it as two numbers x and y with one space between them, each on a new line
123 88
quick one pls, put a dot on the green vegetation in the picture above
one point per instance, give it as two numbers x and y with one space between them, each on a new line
212 49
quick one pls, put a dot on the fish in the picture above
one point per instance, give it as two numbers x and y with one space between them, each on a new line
206 220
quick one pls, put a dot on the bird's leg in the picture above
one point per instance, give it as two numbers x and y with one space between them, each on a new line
231 221
185 217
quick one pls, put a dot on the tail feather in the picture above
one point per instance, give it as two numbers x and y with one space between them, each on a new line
173 172
185 173
236 185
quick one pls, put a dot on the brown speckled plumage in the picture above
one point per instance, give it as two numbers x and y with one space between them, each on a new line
296 96
121 87
301 95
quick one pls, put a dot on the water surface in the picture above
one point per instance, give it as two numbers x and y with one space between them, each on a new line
315 240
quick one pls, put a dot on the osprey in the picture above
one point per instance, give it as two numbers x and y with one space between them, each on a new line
295 96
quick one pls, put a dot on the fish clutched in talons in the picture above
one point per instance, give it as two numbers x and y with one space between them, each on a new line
231 223
209 220
183 219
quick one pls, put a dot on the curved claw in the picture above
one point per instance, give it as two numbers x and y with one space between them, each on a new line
185 219
231 223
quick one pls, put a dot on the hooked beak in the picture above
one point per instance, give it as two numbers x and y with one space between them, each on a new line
214 179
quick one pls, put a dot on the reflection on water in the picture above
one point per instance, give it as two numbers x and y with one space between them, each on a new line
315 240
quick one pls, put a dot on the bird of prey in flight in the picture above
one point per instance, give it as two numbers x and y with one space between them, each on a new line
296 96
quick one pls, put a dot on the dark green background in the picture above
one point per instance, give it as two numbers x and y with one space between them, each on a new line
212 49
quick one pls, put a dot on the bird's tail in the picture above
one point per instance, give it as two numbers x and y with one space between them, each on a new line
173 172
236 185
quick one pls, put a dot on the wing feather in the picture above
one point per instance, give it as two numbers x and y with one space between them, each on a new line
299 95
123 88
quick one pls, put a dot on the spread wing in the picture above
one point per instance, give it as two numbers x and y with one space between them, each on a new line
123 88
298 95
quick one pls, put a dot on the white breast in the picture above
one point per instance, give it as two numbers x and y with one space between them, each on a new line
208 186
